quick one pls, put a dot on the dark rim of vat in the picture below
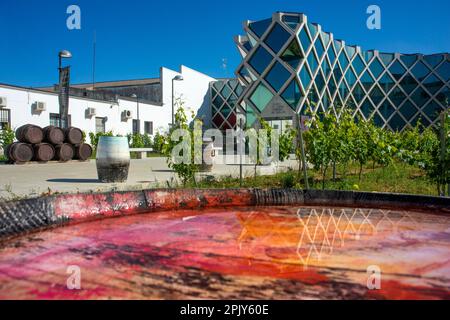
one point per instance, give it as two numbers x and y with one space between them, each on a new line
26 216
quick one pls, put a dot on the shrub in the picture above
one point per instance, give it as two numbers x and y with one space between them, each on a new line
7 137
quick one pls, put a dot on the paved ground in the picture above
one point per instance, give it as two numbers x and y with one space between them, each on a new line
32 180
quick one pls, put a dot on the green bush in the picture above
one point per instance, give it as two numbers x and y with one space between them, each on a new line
95 137
7 137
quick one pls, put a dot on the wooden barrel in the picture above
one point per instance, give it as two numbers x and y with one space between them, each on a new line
54 135
20 152
113 159
83 152
44 152
30 134
64 152
74 135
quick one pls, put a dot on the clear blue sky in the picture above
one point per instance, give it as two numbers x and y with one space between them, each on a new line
136 37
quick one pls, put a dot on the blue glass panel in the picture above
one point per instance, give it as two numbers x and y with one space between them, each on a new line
368 55
444 97
343 90
260 60
225 111
326 101
386 109
420 71
305 77
350 51
367 80
408 59
397 123
218 85
320 82
325 38
444 70
397 70
292 95
408 110
248 46
226 91
261 97
367 108
358 93
291 21
312 30
433 60
332 86
408 84
218 102
433 110
386 82
376 95
433 84
337 45
277 76
260 27
377 68
250 117
337 73
397 96
358 64
420 97
304 40
331 55
326 68
378 120
350 77
292 55
312 62
277 38
239 90
319 48
343 61
387 58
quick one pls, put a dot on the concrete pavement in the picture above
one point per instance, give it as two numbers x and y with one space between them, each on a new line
32 180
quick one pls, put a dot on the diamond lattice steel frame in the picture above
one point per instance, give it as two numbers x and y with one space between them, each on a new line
290 65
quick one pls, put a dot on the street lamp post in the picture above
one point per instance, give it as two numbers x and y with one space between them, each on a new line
138 113
64 54
176 78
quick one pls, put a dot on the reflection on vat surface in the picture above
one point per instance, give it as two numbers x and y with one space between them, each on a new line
236 253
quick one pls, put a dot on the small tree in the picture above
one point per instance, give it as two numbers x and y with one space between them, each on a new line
7 136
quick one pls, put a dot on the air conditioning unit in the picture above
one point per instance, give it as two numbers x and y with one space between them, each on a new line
127 115
40 106
90 112
3 102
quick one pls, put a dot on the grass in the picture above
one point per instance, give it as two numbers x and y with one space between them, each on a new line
396 178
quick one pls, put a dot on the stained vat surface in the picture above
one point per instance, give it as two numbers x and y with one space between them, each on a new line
244 253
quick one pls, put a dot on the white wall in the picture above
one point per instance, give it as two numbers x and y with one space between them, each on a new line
193 90
20 101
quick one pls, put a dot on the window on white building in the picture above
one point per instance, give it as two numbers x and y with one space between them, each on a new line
136 126
54 120
5 119
100 125
148 127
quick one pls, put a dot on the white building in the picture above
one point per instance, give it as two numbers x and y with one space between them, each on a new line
111 106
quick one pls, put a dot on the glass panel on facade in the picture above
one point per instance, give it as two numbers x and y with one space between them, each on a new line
247 45
408 84
277 76
326 68
218 102
261 97
251 117
358 93
277 38
350 77
304 40
386 110
337 45
433 84
367 108
305 77
312 62
387 58
420 97
225 111
444 70
292 95
377 68
376 95
408 110
325 38
408 59
350 51
331 55
319 49
292 55
397 70
368 55
226 91
420 71
397 97
260 27
320 82
444 97
433 60
291 21
367 80
397 123
343 61
358 64
260 60
433 110
218 121
312 30
386 82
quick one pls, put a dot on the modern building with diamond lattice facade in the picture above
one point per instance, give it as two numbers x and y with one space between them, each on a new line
290 65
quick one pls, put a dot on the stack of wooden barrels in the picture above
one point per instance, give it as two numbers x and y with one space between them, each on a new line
50 143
